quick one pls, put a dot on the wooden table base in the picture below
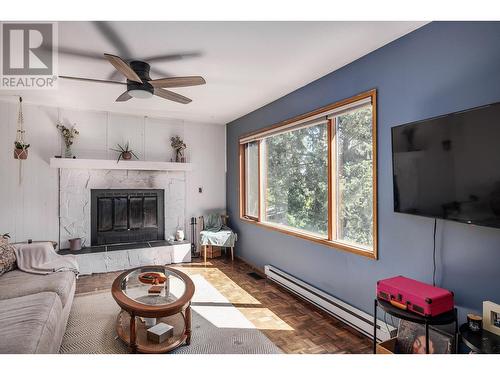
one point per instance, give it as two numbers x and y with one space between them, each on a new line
133 332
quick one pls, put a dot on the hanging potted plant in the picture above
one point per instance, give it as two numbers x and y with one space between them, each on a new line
20 145
125 152
68 134
21 150
179 146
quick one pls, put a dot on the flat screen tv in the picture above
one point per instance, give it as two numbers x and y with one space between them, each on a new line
449 166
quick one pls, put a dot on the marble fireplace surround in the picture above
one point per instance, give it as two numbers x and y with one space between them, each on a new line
75 201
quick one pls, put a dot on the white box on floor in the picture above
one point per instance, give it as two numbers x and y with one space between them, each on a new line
160 333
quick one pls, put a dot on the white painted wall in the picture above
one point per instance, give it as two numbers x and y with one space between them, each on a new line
30 210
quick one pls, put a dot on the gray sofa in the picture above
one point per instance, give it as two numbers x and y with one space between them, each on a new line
34 310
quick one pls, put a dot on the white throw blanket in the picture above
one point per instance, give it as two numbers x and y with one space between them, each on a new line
41 258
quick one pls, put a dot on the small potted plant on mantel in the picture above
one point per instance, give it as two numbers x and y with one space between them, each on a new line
68 134
125 153
21 150
179 146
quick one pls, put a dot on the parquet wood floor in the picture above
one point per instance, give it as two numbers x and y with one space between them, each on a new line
295 326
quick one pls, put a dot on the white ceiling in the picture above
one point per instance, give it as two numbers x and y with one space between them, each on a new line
246 64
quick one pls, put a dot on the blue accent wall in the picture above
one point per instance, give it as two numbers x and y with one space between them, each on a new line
440 68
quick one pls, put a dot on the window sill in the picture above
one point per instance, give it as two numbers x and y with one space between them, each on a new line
372 254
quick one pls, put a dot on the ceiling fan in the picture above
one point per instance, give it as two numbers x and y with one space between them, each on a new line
139 83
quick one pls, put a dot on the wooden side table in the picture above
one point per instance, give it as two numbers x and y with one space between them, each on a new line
482 341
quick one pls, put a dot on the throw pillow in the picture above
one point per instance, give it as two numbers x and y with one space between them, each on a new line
7 258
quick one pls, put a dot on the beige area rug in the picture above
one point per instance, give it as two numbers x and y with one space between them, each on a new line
217 326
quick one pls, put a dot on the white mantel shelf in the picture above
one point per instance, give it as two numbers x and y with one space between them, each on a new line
123 164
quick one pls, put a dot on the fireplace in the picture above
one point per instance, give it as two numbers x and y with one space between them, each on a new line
126 215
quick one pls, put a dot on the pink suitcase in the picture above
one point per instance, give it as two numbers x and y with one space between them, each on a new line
416 296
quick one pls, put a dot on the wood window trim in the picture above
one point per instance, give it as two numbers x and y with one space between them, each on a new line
332 195
339 245
259 163
243 201
329 241
242 185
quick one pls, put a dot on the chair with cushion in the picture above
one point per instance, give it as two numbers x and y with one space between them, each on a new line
216 233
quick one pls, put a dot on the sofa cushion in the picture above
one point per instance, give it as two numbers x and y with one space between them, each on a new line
7 257
29 324
18 283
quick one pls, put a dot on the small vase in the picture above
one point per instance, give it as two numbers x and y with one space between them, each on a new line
149 322
178 156
67 152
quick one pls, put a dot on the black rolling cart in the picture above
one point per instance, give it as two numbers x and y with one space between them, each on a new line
443 319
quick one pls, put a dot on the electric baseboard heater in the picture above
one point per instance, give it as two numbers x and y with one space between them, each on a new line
357 319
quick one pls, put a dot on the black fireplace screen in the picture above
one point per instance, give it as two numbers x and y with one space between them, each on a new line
123 216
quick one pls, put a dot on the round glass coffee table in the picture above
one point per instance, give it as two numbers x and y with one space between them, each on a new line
142 309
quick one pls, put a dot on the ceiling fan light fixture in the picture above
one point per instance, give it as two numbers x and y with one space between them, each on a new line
139 83
140 94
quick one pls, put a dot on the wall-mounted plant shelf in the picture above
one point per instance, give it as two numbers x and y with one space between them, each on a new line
123 164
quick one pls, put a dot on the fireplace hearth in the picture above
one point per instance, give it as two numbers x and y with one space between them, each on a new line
126 216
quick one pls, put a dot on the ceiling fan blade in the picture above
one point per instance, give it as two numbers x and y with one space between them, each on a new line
122 67
123 97
172 56
116 75
108 32
73 52
165 94
93 80
177 81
